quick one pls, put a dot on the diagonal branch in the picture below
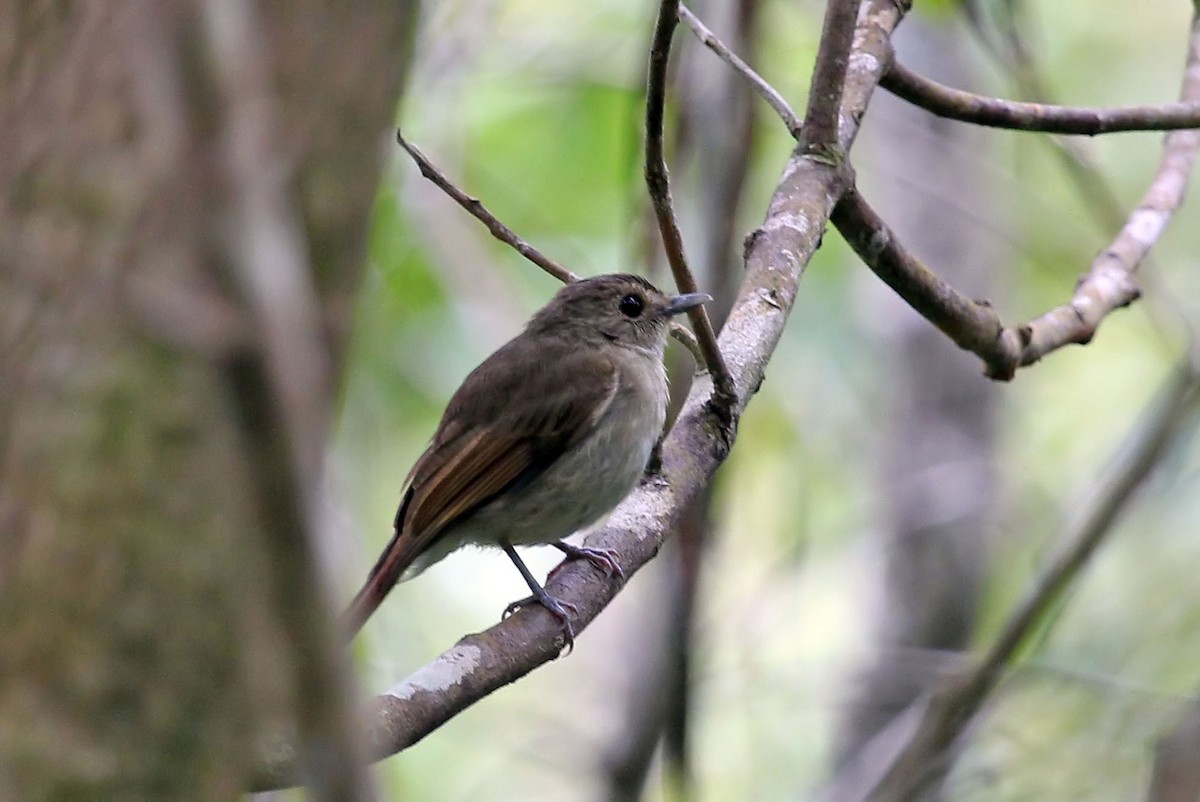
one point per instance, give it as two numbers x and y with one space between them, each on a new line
819 133
955 104
480 212
659 186
950 710
972 325
756 81
776 256
509 237
767 92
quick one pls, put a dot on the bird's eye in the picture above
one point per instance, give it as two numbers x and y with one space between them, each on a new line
631 306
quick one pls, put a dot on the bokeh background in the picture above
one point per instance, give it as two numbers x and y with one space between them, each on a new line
875 470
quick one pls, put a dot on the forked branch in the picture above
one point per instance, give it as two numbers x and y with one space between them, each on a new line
974 325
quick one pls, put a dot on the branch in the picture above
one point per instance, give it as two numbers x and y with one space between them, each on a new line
756 81
1095 191
954 104
776 256
951 709
477 210
506 235
1108 284
659 186
1010 50
819 134
972 325
1013 56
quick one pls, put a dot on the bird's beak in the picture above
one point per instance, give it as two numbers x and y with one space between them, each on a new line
682 303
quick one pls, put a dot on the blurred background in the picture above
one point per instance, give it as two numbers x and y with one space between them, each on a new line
885 505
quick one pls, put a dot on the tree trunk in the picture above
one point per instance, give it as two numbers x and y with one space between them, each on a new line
145 652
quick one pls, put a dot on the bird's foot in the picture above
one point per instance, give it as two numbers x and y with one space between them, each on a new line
604 559
558 609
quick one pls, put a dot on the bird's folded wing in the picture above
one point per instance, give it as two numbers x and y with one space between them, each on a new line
465 469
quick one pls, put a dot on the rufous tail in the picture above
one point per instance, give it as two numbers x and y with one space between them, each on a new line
379 584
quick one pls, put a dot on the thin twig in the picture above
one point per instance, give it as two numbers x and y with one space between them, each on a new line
506 235
659 186
951 709
476 208
683 335
756 81
955 104
819 133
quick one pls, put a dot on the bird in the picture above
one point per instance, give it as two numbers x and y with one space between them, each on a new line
542 439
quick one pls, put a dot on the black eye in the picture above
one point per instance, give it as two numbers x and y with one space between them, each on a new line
631 306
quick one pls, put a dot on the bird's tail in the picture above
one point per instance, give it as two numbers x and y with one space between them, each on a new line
398 555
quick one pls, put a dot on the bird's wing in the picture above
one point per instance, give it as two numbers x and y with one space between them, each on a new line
488 443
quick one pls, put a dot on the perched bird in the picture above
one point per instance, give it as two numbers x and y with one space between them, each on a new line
542 439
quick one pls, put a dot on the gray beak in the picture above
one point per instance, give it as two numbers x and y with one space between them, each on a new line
681 303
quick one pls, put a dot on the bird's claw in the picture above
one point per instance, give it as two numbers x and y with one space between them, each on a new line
604 559
556 608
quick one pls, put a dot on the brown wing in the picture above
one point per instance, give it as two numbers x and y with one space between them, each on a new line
538 404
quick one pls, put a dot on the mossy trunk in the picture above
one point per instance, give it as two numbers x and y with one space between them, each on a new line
142 654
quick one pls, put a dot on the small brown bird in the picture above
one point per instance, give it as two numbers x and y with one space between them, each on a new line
542 439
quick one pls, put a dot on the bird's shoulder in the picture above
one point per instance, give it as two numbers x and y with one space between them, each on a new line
532 386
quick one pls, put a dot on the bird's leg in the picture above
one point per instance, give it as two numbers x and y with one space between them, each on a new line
557 608
604 559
